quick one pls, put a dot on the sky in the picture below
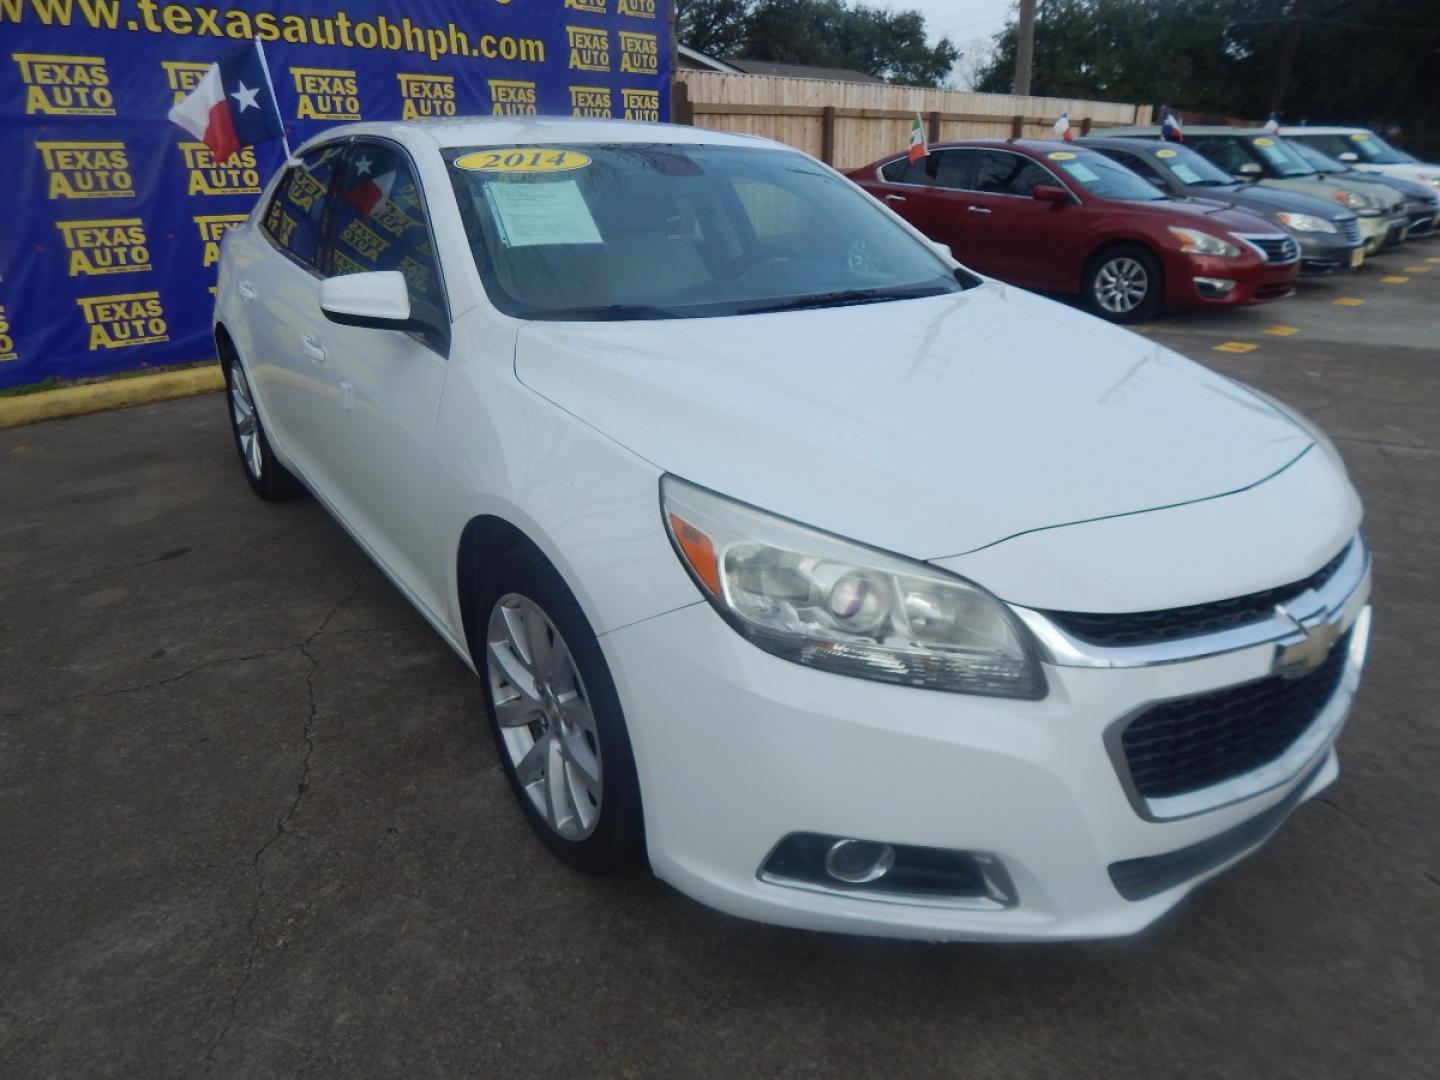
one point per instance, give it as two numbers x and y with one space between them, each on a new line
961 21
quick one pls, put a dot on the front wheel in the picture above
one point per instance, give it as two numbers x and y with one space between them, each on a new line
1123 284
268 478
555 716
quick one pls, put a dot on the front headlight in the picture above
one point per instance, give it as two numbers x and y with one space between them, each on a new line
1196 242
827 603
1305 222
1431 178
1353 200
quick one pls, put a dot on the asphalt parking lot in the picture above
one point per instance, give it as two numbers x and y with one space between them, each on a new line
250 823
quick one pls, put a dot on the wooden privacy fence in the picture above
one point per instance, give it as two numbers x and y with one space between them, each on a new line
850 124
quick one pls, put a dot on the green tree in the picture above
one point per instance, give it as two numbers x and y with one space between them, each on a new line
890 45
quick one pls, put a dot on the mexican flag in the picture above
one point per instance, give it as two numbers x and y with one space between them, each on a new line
917 139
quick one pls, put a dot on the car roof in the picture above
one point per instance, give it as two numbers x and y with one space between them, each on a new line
1316 129
455 131
1153 131
1099 141
1033 146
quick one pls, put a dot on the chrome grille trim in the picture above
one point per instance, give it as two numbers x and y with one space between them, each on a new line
1345 594
1275 247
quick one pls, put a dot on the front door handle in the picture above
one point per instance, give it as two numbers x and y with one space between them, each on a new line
894 198
977 210
313 349
246 290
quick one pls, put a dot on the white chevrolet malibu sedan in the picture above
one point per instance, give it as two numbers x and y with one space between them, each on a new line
854 591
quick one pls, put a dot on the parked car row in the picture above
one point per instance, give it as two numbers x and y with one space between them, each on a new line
1131 223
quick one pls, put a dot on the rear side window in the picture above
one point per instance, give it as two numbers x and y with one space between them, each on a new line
904 171
380 224
1003 173
292 220
1228 153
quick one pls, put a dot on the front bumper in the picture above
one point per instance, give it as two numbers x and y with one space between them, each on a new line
1325 253
1189 283
737 749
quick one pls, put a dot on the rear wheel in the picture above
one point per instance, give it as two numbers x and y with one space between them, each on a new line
555 715
268 478
1123 284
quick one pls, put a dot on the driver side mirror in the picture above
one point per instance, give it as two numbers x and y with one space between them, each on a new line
1250 171
1050 193
1349 157
376 300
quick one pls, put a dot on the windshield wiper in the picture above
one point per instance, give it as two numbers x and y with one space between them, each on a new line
614 313
847 298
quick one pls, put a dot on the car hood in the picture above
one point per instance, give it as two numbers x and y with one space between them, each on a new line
1267 201
928 427
1202 211
1325 189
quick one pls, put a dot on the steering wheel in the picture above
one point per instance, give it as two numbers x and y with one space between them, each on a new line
761 253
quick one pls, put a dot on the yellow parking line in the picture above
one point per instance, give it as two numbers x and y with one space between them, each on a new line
1394 279
1236 346
1417 269
1432 260
1281 331
1348 301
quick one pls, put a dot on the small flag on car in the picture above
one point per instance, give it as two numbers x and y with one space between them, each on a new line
233 105
1170 128
1062 128
1273 124
917 139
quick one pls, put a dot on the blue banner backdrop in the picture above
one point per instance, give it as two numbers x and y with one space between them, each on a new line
111 222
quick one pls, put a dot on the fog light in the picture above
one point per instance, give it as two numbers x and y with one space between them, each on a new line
858 861
1214 287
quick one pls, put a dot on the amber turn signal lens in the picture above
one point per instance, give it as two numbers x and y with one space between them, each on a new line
698 551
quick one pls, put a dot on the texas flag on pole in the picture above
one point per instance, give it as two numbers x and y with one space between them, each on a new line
1273 124
233 105
1062 128
1170 128
917 139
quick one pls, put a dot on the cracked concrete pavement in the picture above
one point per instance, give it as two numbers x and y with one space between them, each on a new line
250 825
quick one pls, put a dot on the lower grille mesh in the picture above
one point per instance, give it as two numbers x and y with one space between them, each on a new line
1191 743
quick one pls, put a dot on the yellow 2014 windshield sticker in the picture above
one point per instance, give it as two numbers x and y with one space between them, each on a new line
522 160
1264 142
1164 153
1359 136
1060 155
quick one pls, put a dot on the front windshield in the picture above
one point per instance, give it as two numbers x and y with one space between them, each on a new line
1313 157
1377 151
1102 177
1193 169
648 231
1278 157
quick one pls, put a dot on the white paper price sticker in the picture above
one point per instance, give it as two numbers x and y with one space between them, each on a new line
553 212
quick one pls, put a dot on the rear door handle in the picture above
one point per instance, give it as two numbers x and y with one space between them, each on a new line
894 198
313 349
977 210
246 290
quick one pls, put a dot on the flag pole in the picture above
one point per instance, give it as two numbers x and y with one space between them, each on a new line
265 66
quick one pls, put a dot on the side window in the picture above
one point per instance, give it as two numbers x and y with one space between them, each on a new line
292 220
894 171
380 225
1334 145
952 168
1003 173
904 171
1226 153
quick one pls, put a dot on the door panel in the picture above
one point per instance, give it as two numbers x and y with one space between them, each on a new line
389 382
1024 239
282 289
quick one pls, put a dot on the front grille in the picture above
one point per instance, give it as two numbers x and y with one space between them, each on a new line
1350 230
1277 249
1195 742
1148 627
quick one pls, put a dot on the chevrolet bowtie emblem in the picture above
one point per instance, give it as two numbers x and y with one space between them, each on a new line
1316 631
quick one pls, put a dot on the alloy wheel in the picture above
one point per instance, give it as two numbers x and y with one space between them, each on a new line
1121 285
247 423
547 726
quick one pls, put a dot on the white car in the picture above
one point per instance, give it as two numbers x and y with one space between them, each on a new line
1366 151
855 591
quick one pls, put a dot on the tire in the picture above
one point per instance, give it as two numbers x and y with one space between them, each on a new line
1112 278
561 737
268 478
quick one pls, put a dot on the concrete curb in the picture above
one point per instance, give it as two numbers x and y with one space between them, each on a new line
118 394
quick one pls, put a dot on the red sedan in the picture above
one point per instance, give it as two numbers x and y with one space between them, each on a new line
1054 217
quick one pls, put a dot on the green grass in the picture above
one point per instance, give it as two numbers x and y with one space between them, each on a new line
47 383
50 382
